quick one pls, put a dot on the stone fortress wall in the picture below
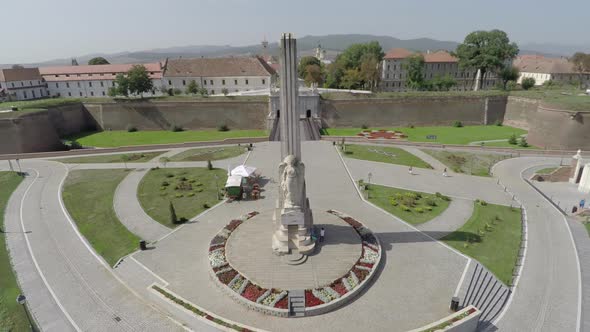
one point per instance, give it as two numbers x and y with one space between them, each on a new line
548 128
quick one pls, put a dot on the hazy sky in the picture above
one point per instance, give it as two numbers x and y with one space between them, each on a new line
37 30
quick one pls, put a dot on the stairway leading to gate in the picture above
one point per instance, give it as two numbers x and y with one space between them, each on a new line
296 303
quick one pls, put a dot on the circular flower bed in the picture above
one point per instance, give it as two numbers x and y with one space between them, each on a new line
275 301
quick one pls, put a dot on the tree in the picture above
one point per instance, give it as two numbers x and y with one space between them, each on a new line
139 80
304 62
98 61
125 158
17 66
508 73
370 70
351 79
414 66
203 92
173 218
581 62
192 88
313 74
485 51
527 83
513 140
121 87
441 83
113 91
334 74
225 91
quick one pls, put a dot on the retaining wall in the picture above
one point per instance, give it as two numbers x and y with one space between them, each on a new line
156 115
424 111
520 111
559 129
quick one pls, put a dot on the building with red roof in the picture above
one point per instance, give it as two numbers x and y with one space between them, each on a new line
22 84
436 64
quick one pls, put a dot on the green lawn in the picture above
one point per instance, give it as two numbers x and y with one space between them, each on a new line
492 236
411 206
12 315
214 153
112 158
445 135
546 170
478 164
566 97
384 154
88 196
124 138
587 224
189 189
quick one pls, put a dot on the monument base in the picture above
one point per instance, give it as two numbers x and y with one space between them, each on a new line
292 231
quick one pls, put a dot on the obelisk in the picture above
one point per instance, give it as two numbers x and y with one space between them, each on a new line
293 220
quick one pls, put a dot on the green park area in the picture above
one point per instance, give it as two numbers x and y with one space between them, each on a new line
506 144
384 154
444 135
88 196
492 236
213 153
12 315
190 190
478 164
410 206
547 170
124 138
139 157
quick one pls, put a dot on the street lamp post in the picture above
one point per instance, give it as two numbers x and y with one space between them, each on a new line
217 185
369 176
22 300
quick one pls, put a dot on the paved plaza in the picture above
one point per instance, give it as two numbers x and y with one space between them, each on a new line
74 289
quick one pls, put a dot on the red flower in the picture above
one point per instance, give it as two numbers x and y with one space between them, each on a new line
226 277
216 247
365 265
360 274
253 292
339 287
310 300
282 304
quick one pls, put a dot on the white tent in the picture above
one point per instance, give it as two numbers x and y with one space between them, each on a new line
234 181
243 170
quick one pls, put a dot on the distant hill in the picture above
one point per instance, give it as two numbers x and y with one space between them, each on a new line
334 44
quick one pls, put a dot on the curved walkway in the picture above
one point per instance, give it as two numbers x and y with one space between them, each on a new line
435 163
458 212
547 297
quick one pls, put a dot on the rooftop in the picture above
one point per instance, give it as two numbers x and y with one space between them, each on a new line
541 64
19 74
438 56
95 72
218 67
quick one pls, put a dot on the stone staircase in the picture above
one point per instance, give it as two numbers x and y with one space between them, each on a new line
485 292
296 303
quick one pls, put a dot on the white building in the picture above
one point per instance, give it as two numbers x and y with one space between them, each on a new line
216 74
439 63
22 84
544 69
93 81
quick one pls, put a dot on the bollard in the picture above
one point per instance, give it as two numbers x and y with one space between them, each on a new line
455 303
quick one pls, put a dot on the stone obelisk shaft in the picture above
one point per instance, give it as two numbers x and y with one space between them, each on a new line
289 116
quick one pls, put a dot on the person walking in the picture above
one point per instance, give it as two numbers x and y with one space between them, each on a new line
322 234
445 172
582 203
411 171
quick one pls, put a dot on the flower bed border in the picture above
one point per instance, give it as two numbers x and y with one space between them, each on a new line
274 301
465 319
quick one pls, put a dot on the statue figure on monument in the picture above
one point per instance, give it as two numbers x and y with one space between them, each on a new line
292 182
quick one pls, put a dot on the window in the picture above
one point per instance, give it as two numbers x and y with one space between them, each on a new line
102 84
89 74
204 82
222 82
212 92
211 81
92 93
90 84
103 93
57 85
169 82
387 75
22 83
33 91
69 94
67 85
12 84
246 81
236 82
78 75
388 67
263 81
101 74
183 82
40 92
67 75
25 94
79 85
151 72
56 75
113 83
80 93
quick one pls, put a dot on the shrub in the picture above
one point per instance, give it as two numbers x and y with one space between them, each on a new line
183 178
399 196
206 205
458 124
430 202
513 139
176 128
393 202
483 203
165 183
222 127
404 208
199 190
411 195
170 92
131 129
169 175
428 208
499 123
527 83
411 126
364 126
225 91
191 194
179 195
209 165
445 198
177 91
419 210
163 188
523 142
182 220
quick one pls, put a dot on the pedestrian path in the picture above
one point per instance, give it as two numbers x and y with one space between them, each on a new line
458 212
435 163
130 212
